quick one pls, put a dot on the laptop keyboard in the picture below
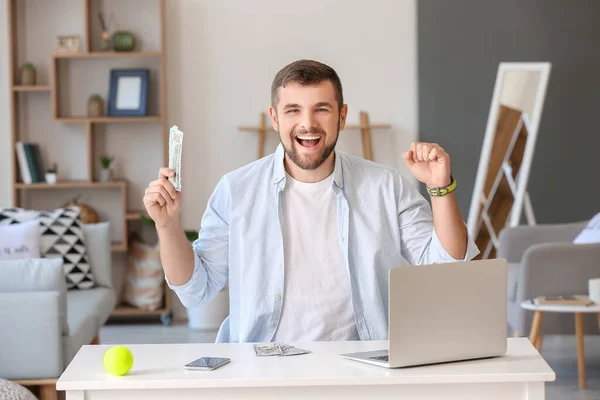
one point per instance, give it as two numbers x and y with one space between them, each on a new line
380 358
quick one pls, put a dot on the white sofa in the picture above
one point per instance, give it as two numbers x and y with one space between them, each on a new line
43 325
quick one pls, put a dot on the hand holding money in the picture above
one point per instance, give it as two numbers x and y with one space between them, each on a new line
163 196
162 201
175 148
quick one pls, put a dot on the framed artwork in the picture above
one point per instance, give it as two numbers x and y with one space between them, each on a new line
128 94
68 43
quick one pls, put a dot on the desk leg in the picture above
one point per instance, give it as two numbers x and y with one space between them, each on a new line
535 329
580 350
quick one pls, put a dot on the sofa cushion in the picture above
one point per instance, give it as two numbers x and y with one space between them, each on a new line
97 241
513 278
61 237
19 241
36 275
88 311
98 301
82 329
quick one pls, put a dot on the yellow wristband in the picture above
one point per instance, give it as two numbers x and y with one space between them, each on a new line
442 191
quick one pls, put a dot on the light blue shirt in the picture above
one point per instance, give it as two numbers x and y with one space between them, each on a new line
383 222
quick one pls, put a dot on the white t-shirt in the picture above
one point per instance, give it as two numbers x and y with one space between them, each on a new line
317 301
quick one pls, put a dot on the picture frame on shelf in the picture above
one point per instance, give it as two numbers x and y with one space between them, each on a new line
128 94
68 44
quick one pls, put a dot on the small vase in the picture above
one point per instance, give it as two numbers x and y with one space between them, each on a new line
50 178
105 41
123 41
95 108
105 175
28 76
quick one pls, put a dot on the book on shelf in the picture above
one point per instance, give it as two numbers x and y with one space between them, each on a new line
31 164
563 300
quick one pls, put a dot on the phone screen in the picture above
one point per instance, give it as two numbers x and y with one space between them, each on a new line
208 362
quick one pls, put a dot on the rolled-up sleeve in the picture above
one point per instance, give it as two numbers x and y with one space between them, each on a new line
420 244
211 251
438 254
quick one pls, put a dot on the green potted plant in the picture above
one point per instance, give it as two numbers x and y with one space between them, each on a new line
105 171
51 174
28 74
95 106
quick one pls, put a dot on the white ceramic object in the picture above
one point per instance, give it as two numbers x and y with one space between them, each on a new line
594 290
105 175
209 316
50 177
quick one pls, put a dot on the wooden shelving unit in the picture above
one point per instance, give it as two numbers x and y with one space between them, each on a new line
110 120
36 88
108 54
119 245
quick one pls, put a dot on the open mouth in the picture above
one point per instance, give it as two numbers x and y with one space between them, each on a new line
308 141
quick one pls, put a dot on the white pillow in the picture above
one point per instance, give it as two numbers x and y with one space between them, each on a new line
591 233
20 241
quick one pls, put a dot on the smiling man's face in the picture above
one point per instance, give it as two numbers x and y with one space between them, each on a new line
308 119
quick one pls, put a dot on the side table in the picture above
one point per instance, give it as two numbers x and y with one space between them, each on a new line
536 338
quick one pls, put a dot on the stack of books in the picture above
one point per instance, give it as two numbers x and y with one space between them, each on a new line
563 300
30 162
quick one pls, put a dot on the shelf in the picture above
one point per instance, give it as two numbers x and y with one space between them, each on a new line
109 120
70 185
34 88
134 215
109 54
127 311
118 247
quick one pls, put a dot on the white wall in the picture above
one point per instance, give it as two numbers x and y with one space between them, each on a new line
224 55
222 58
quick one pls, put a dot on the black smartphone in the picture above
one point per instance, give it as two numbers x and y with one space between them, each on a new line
207 363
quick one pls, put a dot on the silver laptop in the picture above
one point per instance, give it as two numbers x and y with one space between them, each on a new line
444 312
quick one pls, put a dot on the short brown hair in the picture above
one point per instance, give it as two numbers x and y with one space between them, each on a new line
306 72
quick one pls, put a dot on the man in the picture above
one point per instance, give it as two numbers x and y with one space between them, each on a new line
306 236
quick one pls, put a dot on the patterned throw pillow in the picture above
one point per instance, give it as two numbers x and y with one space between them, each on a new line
61 237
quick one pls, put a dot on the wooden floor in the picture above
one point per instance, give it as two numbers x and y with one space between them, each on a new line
559 351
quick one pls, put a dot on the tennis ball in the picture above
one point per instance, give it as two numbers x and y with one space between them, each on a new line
117 360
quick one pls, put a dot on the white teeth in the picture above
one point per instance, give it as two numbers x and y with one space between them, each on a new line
308 137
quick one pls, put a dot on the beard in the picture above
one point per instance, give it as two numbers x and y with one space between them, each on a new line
309 163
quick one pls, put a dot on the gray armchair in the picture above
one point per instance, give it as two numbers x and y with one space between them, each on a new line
543 261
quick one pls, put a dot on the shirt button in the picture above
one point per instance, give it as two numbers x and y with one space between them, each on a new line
278 266
272 326
277 297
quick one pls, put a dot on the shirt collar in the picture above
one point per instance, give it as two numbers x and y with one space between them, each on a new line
279 169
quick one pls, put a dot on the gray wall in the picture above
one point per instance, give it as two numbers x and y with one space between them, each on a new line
460 44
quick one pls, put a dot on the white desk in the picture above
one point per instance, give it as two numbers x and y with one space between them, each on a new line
158 373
